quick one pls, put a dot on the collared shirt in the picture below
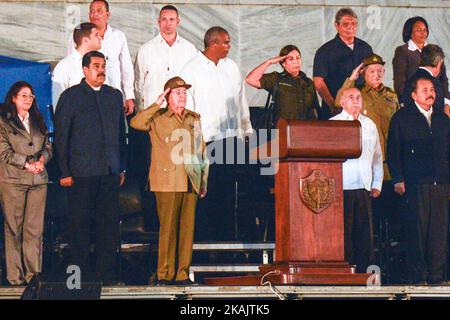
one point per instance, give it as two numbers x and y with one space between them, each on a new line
335 61
218 95
119 68
413 47
365 172
157 62
67 73
446 100
25 121
379 105
425 113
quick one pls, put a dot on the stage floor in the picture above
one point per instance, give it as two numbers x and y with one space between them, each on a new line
260 292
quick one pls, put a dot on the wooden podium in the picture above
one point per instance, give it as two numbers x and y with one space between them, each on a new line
309 205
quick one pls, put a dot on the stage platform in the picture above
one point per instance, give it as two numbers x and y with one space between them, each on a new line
260 292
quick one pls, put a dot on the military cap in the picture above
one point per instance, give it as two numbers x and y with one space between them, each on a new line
373 59
176 82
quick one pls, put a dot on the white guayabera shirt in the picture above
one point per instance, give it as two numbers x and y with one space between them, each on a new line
218 95
365 172
157 62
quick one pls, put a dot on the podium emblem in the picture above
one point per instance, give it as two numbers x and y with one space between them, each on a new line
317 191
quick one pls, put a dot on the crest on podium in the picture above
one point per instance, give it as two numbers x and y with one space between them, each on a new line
317 191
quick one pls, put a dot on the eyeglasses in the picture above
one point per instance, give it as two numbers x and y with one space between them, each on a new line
26 96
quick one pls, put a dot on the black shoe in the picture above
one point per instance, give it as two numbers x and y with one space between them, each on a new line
163 283
186 282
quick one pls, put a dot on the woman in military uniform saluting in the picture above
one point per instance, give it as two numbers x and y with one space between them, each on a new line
293 92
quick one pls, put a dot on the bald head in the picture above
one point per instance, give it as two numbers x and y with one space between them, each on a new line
351 102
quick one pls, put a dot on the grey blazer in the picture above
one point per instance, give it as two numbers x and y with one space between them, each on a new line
405 63
16 147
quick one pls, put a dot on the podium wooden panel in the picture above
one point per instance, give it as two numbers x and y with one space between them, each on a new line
309 220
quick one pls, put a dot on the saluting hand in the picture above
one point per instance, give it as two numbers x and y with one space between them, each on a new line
275 60
356 72
162 96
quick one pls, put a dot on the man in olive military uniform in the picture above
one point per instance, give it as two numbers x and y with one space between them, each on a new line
178 175
379 104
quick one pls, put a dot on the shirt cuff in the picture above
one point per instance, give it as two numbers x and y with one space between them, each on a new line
129 94
447 101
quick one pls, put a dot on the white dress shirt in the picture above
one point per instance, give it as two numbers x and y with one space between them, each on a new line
218 95
365 172
25 121
157 62
426 114
413 47
119 68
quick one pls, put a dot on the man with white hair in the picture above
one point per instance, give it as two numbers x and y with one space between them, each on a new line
362 178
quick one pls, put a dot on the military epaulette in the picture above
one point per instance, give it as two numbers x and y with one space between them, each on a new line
194 114
390 90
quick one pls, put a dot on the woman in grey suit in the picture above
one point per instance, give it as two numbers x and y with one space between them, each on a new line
24 151
407 57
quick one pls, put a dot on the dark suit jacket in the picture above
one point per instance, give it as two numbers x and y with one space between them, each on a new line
90 131
406 63
416 153
406 98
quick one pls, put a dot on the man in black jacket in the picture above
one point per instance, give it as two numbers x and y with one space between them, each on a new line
418 157
91 146
431 62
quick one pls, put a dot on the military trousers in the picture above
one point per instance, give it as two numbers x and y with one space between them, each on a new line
176 213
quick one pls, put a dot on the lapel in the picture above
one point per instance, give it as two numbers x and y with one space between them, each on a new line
20 130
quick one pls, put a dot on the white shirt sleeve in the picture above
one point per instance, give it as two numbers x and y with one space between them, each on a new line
245 111
126 70
60 82
377 164
139 77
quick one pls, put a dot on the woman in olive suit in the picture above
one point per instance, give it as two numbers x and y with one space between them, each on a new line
24 151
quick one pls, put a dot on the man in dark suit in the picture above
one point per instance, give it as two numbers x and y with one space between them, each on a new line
418 158
432 59
91 148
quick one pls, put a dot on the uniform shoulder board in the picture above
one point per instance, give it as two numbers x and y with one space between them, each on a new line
390 90
194 114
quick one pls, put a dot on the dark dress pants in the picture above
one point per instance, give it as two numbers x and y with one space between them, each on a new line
95 199
425 223
358 230
216 218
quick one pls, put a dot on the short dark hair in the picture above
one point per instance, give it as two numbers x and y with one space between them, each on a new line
344 12
212 34
168 7
88 56
286 49
431 55
104 2
408 27
416 81
83 30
